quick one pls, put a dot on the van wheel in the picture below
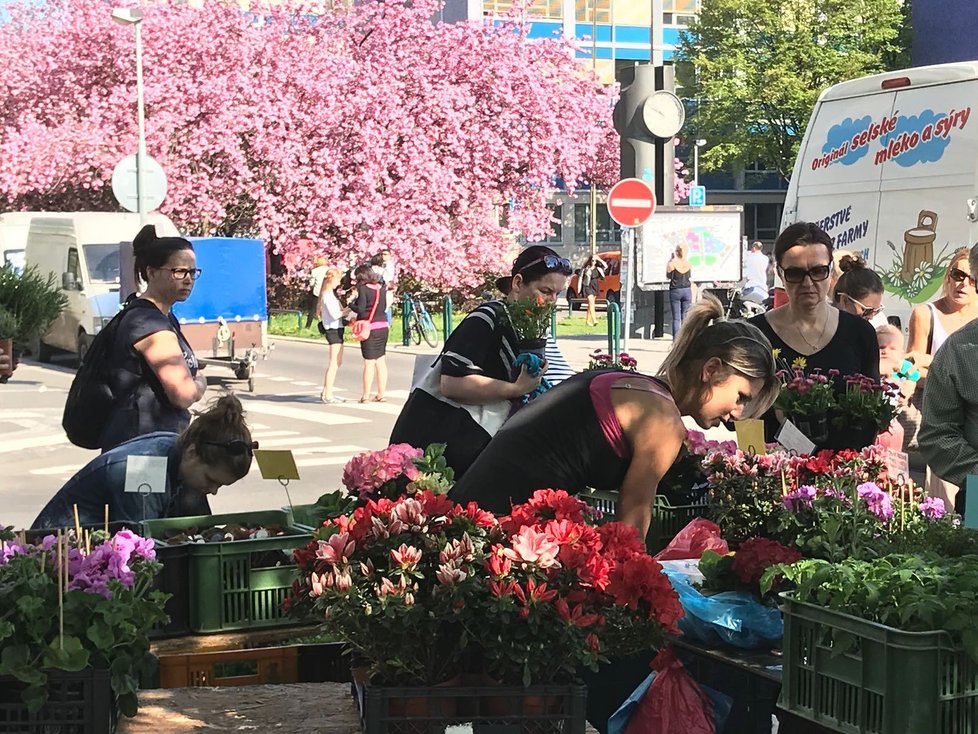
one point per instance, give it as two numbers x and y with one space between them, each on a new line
84 342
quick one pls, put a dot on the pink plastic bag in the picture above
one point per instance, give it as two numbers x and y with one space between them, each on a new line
690 542
673 703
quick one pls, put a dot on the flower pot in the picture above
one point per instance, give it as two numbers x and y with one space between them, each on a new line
534 346
428 705
7 347
816 427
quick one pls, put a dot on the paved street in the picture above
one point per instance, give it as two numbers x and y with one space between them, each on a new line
284 412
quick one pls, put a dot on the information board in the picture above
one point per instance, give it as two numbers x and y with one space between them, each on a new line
711 236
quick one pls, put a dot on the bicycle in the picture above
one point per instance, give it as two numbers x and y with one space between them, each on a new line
422 326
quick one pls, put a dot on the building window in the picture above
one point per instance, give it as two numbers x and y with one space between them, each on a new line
681 6
607 231
557 213
762 221
549 9
593 11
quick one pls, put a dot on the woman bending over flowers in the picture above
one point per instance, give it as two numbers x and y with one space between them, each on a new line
613 429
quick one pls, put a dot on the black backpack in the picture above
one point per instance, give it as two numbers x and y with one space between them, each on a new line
91 400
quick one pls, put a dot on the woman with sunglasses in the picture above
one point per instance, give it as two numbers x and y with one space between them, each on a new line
154 370
807 329
214 451
859 290
464 396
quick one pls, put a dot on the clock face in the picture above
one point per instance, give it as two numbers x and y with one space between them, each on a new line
663 114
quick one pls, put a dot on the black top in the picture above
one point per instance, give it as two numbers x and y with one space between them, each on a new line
853 349
367 293
678 280
484 343
554 442
143 406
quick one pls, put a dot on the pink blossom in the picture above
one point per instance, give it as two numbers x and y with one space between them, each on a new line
533 546
407 556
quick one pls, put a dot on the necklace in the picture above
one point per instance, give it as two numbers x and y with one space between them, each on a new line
818 340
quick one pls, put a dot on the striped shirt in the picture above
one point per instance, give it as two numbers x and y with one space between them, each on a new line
558 368
948 435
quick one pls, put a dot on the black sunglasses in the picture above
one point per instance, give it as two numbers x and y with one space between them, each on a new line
236 447
958 275
797 275
552 262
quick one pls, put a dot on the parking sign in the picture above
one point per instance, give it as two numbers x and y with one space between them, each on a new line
697 195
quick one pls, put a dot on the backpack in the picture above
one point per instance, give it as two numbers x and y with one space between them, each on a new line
91 401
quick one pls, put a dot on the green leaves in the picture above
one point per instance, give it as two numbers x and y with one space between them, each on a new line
760 66
72 656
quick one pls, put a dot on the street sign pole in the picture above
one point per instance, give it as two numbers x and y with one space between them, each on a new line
140 130
627 265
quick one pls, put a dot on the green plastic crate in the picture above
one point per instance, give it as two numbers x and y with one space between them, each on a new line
302 516
667 519
230 587
854 676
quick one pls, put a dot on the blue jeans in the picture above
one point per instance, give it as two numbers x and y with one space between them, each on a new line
680 299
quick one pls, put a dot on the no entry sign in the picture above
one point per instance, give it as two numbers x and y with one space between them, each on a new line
631 202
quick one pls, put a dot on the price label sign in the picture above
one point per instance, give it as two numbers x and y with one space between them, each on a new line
276 464
971 502
146 474
794 440
897 465
750 436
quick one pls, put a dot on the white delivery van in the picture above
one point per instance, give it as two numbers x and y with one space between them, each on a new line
81 249
13 238
889 168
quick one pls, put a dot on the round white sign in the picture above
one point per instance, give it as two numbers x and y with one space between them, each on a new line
125 188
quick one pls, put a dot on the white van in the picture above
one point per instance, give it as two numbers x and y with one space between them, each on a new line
81 249
889 168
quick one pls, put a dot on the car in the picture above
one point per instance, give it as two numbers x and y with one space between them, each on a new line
609 287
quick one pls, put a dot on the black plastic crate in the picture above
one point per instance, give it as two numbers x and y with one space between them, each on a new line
78 703
323 662
488 709
173 579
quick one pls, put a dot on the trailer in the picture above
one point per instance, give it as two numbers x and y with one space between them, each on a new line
225 320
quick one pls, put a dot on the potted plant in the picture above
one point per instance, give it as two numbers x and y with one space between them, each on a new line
745 491
806 401
530 319
9 326
70 606
34 300
600 360
861 412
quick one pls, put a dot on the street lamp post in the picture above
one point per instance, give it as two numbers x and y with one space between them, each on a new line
134 17
696 160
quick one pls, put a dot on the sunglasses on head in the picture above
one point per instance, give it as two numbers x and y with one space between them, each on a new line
797 275
236 447
552 262
958 275
867 312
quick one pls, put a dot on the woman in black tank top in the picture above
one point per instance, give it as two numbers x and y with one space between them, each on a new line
680 288
566 439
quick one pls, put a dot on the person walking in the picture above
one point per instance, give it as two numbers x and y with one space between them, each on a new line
370 306
465 395
592 271
755 274
214 451
331 323
316 275
153 369
680 288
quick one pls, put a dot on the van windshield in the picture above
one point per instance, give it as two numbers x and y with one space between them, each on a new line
103 263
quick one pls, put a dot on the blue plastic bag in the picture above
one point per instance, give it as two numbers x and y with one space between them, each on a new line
618 722
732 617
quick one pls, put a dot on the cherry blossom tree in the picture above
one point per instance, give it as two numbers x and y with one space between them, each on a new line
355 129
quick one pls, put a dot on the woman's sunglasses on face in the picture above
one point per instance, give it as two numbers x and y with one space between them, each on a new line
797 275
551 262
959 276
867 312
235 448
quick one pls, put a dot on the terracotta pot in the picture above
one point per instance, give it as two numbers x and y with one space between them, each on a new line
428 706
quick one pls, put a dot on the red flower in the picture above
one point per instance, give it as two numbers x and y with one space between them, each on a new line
620 541
479 517
436 505
755 555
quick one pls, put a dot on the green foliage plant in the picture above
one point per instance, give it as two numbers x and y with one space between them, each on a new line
34 300
760 66
913 593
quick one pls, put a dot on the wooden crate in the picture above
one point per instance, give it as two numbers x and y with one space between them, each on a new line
261 666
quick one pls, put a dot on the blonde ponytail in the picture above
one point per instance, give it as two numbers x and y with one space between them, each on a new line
740 346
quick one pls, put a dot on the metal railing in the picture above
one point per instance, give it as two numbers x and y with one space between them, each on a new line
614 330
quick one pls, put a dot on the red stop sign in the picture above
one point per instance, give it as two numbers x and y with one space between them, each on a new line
631 202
